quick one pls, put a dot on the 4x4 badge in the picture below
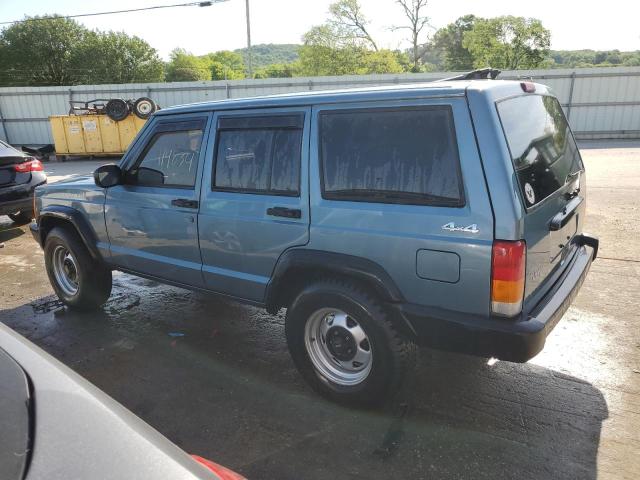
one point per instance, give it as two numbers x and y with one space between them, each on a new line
473 228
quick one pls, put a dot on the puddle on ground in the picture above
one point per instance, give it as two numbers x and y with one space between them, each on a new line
121 302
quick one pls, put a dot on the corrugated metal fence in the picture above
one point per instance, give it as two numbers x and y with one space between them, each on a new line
600 102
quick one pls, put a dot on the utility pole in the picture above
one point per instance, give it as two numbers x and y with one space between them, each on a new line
250 68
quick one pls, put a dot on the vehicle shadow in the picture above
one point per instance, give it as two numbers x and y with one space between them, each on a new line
215 377
9 231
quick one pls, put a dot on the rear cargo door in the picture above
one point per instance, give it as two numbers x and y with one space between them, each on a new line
550 176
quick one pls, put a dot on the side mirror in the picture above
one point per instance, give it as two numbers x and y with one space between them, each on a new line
149 177
108 175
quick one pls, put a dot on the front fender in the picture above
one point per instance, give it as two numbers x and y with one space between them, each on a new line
55 215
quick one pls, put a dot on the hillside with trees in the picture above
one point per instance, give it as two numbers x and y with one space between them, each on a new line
266 54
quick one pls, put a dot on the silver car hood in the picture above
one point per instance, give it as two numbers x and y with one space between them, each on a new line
81 433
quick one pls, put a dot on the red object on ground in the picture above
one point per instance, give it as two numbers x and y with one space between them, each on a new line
223 472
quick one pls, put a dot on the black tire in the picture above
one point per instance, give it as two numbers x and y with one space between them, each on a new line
117 109
21 217
93 278
392 355
144 107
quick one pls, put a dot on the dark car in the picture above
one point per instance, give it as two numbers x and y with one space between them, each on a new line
20 174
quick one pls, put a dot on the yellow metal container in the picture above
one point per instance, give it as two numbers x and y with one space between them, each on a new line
93 134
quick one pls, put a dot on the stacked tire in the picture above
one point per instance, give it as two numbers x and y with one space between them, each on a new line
118 109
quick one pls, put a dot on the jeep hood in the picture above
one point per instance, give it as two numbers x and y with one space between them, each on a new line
78 188
78 180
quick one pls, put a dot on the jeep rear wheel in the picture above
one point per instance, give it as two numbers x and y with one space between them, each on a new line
79 281
345 345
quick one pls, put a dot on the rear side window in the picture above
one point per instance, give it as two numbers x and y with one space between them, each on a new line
406 155
259 155
543 151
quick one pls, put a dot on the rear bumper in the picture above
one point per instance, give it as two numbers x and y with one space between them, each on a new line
20 197
515 340
15 206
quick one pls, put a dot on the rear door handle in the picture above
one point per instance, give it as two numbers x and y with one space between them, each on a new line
284 212
184 203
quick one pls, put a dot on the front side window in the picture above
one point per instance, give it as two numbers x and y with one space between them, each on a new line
170 159
404 155
261 156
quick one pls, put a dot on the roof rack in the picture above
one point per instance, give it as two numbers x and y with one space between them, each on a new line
480 74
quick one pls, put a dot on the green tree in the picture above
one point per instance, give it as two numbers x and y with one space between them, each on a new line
115 57
319 60
348 22
507 42
59 51
324 53
327 52
382 61
446 49
185 67
346 27
278 70
40 52
416 21
225 65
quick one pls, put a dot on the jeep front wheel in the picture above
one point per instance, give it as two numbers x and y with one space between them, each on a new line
79 281
344 344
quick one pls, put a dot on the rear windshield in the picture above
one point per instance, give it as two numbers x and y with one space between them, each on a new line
544 153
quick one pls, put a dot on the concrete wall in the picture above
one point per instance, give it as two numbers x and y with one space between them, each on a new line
600 102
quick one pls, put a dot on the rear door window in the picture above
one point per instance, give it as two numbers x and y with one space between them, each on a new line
399 155
544 154
259 155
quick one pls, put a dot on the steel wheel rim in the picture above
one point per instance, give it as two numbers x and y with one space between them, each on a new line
65 270
338 347
144 107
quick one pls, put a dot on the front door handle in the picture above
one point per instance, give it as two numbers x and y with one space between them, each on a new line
284 212
184 203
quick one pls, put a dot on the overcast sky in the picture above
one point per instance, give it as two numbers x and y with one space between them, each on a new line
573 24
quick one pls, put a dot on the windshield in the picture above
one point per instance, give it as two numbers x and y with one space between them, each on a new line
544 153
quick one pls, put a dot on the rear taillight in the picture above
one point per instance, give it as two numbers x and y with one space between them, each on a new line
508 260
29 166
222 472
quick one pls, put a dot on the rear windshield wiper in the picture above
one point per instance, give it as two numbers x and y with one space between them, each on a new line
571 175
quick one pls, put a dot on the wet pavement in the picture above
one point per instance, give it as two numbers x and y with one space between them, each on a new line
215 376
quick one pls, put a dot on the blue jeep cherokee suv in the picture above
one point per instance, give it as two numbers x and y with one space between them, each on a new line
447 214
